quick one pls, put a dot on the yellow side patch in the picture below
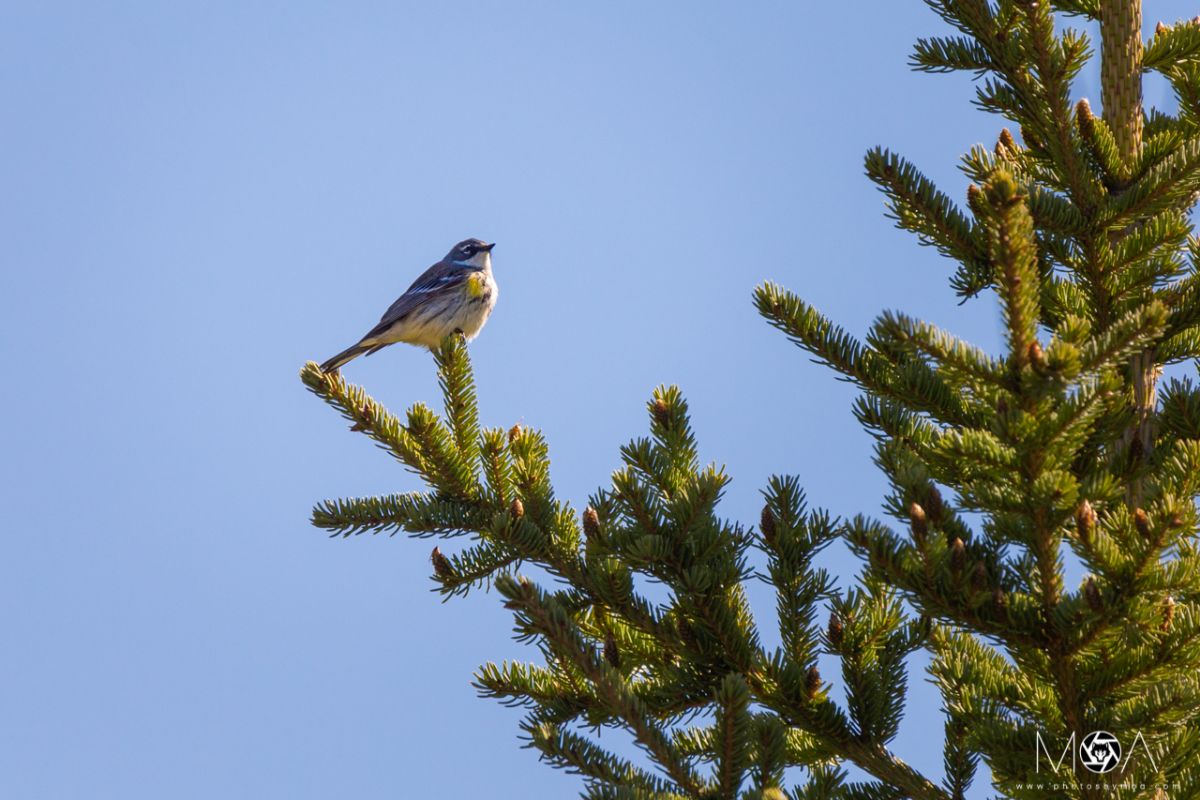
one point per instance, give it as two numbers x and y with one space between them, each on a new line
475 285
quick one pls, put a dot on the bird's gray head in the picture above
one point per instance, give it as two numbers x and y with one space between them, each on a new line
473 252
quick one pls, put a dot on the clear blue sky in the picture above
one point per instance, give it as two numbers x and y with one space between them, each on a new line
200 197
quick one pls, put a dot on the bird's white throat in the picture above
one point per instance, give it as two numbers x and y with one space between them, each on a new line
481 260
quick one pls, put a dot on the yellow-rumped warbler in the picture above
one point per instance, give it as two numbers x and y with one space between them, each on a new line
455 295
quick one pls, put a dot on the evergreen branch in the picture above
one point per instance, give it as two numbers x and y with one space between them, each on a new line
1159 147
570 751
1101 145
1183 299
933 593
913 383
975 453
959 760
997 96
610 583
497 466
516 684
1172 45
1139 574
918 206
1185 80
458 390
1171 183
792 539
1053 212
1049 98
1013 250
366 413
446 467
1163 658
1179 411
773 750
672 432
1066 432
1183 346
732 739
873 648
1178 470
1165 233
789 697
602 792
965 362
950 53
530 460
415 513
1132 332
475 566
895 424
1162 705
720 612
548 618
1084 8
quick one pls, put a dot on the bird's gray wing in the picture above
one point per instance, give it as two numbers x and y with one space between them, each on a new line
441 276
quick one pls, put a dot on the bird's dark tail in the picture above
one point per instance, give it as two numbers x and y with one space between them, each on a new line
349 354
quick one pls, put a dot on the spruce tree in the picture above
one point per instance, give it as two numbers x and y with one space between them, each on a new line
1003 467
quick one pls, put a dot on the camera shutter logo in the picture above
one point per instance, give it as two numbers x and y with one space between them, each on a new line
1100 751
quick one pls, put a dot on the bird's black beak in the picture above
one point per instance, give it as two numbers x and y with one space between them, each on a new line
488 247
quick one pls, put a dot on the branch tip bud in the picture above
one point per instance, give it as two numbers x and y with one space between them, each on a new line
591 523
1085 522
441 564
1006 145
812 683
1141 521
975 200
662 414
836 630
958 555
767 525
1036 356
918 520
611 654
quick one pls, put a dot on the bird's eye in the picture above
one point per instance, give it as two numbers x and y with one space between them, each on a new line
468 251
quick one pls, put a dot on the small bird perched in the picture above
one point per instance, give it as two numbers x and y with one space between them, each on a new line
455 295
